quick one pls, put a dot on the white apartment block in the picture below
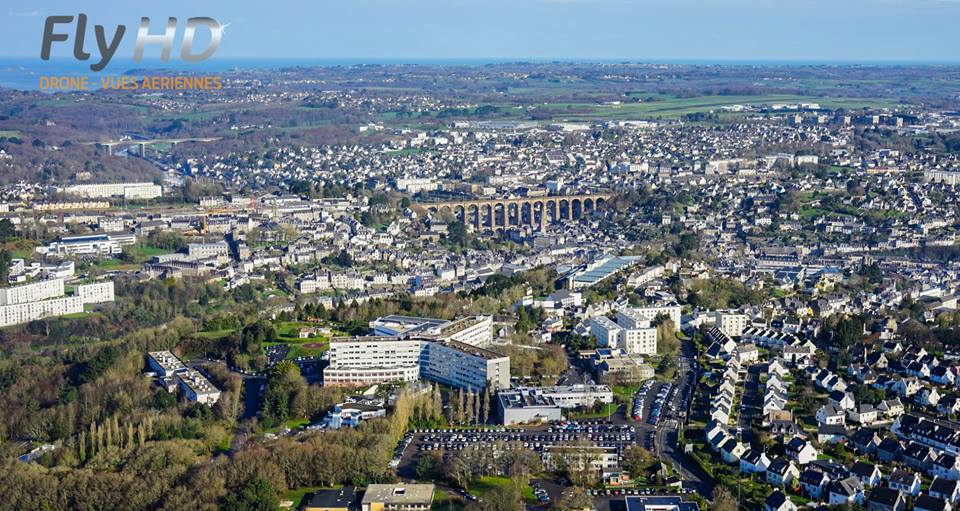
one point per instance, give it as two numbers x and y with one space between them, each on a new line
208 250
314 284
31 311
164 363
651 313
94 244
417 184
639 341
732 323
197 388
44 299
474 331
101 292
571 396
379 359
630 333
606 331
32 292
946 177
125 190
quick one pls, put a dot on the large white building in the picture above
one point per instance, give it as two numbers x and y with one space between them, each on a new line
45 299
32 311
532 404
33 292
100 292
94 244
630 333
946 177
473 330
125 190
208 250
379 359
650 313
732 323
195 386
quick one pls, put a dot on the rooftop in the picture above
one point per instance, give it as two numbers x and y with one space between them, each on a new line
398 494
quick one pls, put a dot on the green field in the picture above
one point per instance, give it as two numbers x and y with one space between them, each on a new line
678 107
481 486
9 134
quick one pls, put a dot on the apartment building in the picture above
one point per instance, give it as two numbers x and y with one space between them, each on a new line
164 363
630 333
381 359
32 311
650 313
397 497
464 366
732 323
208 250
100 292
44 299
125 190
32 292
196 387
372 360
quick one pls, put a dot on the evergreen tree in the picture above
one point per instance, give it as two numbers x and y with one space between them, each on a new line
486 404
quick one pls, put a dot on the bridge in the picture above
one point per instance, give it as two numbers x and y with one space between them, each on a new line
110 144
497 214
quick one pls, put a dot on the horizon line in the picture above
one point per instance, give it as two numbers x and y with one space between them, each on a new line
539 60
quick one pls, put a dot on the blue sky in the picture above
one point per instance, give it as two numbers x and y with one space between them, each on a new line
805 30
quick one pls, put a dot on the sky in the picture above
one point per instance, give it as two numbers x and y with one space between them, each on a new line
635 30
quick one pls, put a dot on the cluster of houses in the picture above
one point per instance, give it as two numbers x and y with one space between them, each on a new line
902 459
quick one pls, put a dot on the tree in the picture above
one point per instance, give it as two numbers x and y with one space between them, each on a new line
723 500
638 460
501 498
457 233
255 495
486 404
574 499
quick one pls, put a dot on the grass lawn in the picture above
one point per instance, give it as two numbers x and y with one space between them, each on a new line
153 251
625 392
75 315
290 424
444 501
608 410
481 486
9 134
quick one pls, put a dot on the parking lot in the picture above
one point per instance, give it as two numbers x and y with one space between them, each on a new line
596 432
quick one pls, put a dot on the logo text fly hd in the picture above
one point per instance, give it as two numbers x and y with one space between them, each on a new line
107 48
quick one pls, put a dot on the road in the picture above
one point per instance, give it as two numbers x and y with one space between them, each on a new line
668 431
251 394
751 403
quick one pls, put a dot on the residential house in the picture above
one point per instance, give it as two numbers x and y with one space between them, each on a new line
777 501
782 472
868 473
813 482
845 491
930 503
754 462
947 489
906 481
886 499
